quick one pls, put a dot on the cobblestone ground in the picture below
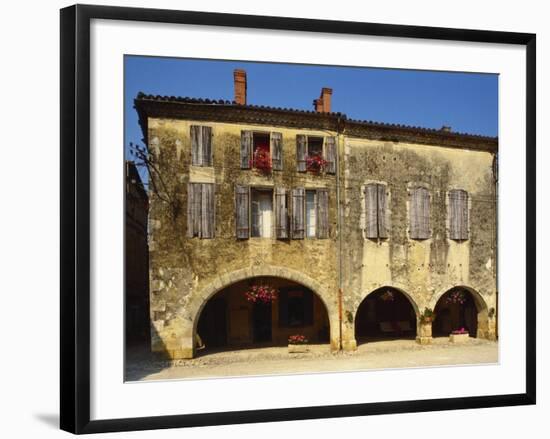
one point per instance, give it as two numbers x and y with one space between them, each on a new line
277 360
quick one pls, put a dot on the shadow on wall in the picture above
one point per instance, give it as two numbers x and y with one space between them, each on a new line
140 361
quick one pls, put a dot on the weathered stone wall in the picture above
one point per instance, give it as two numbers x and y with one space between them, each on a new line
185 272
422 269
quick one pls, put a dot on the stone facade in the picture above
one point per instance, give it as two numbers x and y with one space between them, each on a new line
346 266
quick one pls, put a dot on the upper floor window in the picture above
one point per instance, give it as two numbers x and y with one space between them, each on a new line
201 145
315 153
262 212
261 150
200 210
419 213
458 214
375 211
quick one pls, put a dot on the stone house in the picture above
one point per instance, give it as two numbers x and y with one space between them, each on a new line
359 226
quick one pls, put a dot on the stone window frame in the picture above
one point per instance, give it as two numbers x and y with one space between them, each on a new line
448 217
363 216
410 186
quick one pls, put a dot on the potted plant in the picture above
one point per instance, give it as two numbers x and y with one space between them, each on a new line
427 316
262 160
297 344
459 336
315 163
261 294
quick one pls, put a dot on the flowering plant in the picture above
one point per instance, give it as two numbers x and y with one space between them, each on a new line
297 339
457 297
427 316
262 160
460 331
387 296
315 163
261 294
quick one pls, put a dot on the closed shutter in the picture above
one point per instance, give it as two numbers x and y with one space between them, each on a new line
420 214
277 151
196 150
281 213
298 199
458 214
194 203
371 211
322 213
206 146
246 149
207 211
381 214
301 153
242 196
330 154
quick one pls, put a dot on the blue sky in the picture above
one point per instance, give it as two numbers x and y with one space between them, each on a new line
468 102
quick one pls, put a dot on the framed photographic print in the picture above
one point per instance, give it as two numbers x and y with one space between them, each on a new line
271 218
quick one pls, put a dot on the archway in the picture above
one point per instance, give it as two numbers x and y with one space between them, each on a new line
386 313
229 321
460 307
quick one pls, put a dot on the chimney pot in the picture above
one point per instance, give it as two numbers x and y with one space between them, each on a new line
239 78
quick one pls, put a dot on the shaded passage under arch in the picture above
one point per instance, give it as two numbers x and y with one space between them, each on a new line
229 321
457 309
386 313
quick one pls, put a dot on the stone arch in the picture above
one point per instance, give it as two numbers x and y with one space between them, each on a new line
394 286
413 327
485 323
202 296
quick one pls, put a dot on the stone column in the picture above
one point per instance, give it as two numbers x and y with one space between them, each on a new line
423 332
348 332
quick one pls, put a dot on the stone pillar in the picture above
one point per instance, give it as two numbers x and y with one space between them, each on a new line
174 340
348 332
423 332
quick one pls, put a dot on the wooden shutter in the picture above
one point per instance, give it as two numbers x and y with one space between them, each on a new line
194 201
281 213
330 154
196 150
371 211
207 211
322 213
282 298
420 214
242 203
458 214
301 147
298 199
381 213
277 151
206 140
246 149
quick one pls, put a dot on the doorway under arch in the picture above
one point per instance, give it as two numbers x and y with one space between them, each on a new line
385 314
458 308
228 321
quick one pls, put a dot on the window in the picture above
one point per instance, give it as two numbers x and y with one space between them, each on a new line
261 219
375 211
458 215
200 210
420 214
261 150
309 213
309 147
295 307
201 145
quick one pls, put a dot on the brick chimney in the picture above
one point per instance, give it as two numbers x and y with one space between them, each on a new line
323 104
239 77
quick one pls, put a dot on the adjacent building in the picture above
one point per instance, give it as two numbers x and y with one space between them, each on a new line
360 226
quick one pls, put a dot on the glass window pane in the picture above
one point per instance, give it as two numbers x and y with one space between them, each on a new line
311 214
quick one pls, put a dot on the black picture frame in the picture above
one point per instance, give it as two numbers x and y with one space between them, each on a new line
75 217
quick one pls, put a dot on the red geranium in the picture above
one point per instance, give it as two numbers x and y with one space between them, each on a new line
315 163
261 294
262 160
297 339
